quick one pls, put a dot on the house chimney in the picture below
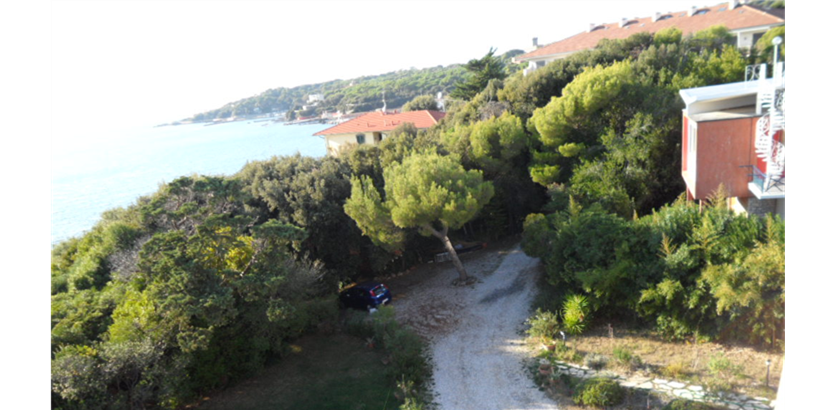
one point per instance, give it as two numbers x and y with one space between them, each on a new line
692 11
623 22
656 17
535 43
591 27
734 3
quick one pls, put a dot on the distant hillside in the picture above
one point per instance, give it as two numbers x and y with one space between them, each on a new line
776 4
354 95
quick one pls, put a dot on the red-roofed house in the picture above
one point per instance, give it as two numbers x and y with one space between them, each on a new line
373 127
745 21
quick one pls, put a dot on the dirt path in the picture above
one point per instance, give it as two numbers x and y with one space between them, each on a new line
475 332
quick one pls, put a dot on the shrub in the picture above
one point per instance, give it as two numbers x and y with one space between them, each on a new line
625 357
723 372
599 392
411 404
721 365
685 404
595 361
568 355
718 385
358 324
676 370
408 364
575 312
406 349
543 325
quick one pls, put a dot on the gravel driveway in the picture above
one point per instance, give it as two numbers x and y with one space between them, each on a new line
475 331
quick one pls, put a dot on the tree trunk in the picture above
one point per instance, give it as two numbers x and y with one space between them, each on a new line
442 235
455 260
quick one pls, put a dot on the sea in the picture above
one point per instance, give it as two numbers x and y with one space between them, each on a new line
103 169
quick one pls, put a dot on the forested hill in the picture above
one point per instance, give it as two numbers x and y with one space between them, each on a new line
353 95
775 4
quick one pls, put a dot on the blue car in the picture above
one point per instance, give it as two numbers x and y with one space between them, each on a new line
365 296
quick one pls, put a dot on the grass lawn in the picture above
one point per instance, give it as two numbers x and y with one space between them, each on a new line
324 372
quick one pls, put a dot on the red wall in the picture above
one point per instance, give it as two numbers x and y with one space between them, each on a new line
722 147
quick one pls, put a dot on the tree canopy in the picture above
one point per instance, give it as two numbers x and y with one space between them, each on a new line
427 191
481 71
420 103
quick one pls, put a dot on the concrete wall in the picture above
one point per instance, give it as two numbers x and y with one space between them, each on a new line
539 62
760 207
722 147
719 105
744 38
738 205
780 208
337 141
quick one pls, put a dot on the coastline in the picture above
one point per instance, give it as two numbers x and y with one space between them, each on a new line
113 171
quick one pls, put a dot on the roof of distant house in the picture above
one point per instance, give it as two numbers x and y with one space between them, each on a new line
741 17
379 121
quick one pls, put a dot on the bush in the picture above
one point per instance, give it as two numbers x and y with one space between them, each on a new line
685 404
676 370
543 325
595 361
408 364
720 365
625 357
406 349
568 355
411 404
575 314
358 324
598 392
723 373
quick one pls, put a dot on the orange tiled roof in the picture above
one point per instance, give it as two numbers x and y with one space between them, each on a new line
377 121
741 17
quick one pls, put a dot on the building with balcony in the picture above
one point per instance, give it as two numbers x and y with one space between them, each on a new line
734 134
746 22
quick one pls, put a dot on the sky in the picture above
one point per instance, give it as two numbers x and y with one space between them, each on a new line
150 62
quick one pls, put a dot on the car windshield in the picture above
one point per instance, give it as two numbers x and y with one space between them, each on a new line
379 290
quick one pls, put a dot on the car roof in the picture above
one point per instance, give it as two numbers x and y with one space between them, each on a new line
368 285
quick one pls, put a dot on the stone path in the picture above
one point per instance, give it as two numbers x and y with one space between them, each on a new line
671 388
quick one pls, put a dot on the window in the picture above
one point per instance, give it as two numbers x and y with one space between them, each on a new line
692 145
360 138
755 38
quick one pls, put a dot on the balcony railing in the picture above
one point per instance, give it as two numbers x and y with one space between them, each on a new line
779 73
764 186
755 72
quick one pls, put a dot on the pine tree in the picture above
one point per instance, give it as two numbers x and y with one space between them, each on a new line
426 191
